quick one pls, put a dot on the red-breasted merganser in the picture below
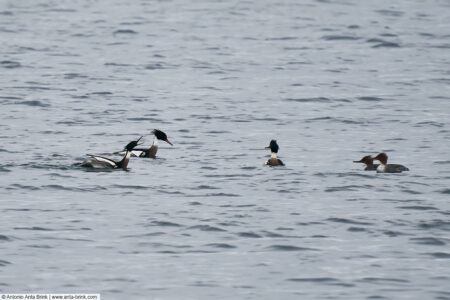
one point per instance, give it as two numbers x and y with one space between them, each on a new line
368 160
274 161
151 152
99 162
384 167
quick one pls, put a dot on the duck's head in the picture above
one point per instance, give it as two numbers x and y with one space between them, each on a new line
273 146
133 144
368 160
160 135
382 157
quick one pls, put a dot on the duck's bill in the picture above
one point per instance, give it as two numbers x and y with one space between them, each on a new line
357 161
139 140
167 141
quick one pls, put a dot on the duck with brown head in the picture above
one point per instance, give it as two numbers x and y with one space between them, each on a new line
384 167
100 162
368 160
273 160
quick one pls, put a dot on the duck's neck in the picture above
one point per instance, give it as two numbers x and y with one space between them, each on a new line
381 168
155 141
274 155
369 163
124 162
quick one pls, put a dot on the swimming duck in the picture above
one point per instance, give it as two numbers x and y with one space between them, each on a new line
273 160
99 162
384 167
368 160
151 152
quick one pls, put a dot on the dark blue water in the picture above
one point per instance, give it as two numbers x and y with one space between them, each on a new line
331 81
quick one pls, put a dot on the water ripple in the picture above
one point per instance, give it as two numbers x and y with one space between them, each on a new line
348 221
206 228
288 248
429 241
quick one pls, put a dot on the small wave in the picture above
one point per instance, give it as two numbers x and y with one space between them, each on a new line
222 195
118 65
206 228
348 188
9 64
382 279
221 245
62 10
340 38
339 120
370 98
139 119
382 43
356 229
444 191
440 255
17 186
387 45
39 246
431 123
309 223
3 169
101 93
316 279
288 248
390 13
441 46
4 263
315 100
348 221
37 228
4 238
285 38
132 187
249 235
157 233
205 187
409 191
418 207
124 31
165 224
273 234
439 224
156 66
429 241
35 103
392 233
74 75
61 187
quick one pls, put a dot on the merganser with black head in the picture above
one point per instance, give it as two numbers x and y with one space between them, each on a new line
384 167
100 162
151 152
368 160
274 161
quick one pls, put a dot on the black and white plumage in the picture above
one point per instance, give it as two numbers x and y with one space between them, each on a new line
273 160
100 162
151 151
384 167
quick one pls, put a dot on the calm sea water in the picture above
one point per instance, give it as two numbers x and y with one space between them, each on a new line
331 81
